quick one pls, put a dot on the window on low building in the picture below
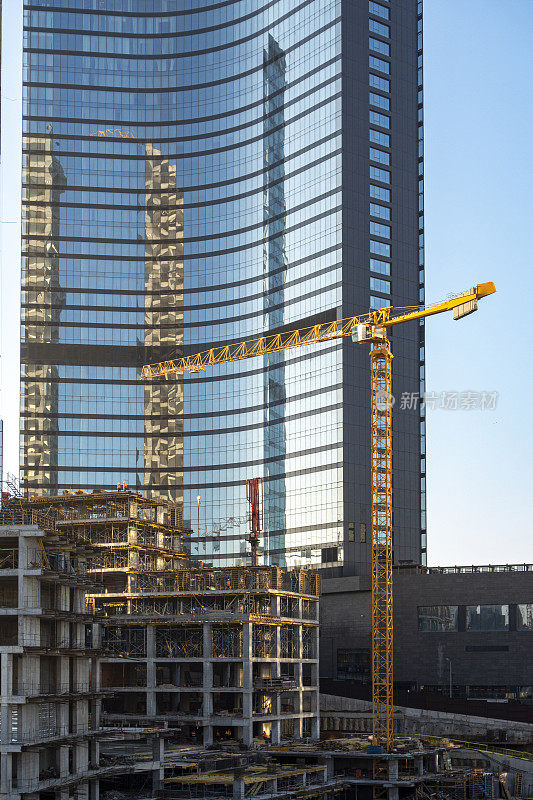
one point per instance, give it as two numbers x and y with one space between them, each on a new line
487 618
524 617
353 664
440 619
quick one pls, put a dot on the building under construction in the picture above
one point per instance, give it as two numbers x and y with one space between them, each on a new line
50 704
129 673
208 654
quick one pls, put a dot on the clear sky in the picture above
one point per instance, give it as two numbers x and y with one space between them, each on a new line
478 65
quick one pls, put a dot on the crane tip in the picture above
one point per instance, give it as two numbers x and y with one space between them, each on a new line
484 289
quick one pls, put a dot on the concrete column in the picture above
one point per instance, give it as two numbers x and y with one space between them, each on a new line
81 752
5 773
82 792
207 733
315 724
238 788
276 731
393 793
275 668
63 672
151 706
393 769
207 686
419 762
94 789
63 760
158 748
29 766
275 605
247 682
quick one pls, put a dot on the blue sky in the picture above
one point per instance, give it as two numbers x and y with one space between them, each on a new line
479 115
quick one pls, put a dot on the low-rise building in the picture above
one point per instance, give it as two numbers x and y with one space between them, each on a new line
470 627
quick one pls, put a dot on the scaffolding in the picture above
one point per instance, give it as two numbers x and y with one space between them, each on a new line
184 641
289 641
264 641
308 641
227 641
124 641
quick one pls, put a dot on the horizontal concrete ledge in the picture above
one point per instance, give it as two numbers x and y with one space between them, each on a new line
346 707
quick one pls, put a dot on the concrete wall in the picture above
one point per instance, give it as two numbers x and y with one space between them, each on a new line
348 714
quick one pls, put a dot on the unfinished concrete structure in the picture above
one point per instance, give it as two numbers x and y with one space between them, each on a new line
188 657
214 653
50 702
210 654
340 768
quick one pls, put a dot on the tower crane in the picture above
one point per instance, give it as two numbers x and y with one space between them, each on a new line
368 328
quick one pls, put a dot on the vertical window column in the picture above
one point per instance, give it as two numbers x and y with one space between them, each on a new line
379 152
421 289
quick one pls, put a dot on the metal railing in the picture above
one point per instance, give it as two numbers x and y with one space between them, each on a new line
39 689
42 641
275 683
487 748
466 569
38 736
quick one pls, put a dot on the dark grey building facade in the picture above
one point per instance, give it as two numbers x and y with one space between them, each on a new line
468 626
197 174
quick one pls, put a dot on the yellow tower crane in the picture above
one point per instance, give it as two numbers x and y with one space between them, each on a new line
371 328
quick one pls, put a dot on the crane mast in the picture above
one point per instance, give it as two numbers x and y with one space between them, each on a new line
368 328
381 488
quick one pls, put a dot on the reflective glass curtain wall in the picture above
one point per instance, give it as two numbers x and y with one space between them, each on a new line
184 187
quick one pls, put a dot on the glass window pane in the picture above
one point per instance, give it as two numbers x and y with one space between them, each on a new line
353 665
378 10
437 618
380 248
487 618
524 617
377 285
378 302
382 267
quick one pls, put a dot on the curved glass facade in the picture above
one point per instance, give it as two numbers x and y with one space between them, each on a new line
195 176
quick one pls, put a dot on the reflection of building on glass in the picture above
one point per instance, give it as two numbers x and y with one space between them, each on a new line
274 269
487 618
437 618
42 302
163 401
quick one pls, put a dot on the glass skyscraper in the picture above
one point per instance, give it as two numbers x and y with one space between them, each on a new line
197 173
